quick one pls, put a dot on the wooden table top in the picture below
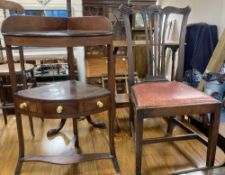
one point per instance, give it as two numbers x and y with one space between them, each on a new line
64 91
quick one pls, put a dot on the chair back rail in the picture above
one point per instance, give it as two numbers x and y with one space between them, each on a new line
156 21
12 6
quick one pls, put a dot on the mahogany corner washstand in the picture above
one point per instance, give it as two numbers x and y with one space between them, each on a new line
69 99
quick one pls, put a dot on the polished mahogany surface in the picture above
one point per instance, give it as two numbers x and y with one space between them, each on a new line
37 24
65 91
167 94
36 31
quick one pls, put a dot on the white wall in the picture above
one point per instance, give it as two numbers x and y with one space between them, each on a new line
34 4
77 7
208 11
53 4
79 52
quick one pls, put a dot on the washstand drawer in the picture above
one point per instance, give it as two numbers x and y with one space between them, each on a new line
24 105
45 107
97 104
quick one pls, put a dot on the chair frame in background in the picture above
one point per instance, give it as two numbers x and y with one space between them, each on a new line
5 105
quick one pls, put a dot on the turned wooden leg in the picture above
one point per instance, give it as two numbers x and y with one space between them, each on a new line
75 131
98 124
21 143
55 131
138 142
31 125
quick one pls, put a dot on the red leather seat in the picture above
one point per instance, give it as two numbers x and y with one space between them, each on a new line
161 94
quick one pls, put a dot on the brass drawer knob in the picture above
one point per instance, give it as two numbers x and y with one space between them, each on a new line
23 105
100 104
59 109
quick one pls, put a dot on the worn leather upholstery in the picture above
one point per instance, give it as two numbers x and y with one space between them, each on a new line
173 93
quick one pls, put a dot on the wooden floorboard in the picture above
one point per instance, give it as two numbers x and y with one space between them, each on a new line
158 159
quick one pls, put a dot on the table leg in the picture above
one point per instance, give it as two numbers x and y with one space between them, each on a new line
99 124
111 114
75 131
55 131
21 143
112 111
31 125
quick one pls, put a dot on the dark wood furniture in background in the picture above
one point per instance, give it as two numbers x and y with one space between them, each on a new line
110 9
69 99
100 7
6 96
99 124
104 7
165 99
5 86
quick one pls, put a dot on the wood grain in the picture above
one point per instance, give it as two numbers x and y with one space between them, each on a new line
97 67
162 158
